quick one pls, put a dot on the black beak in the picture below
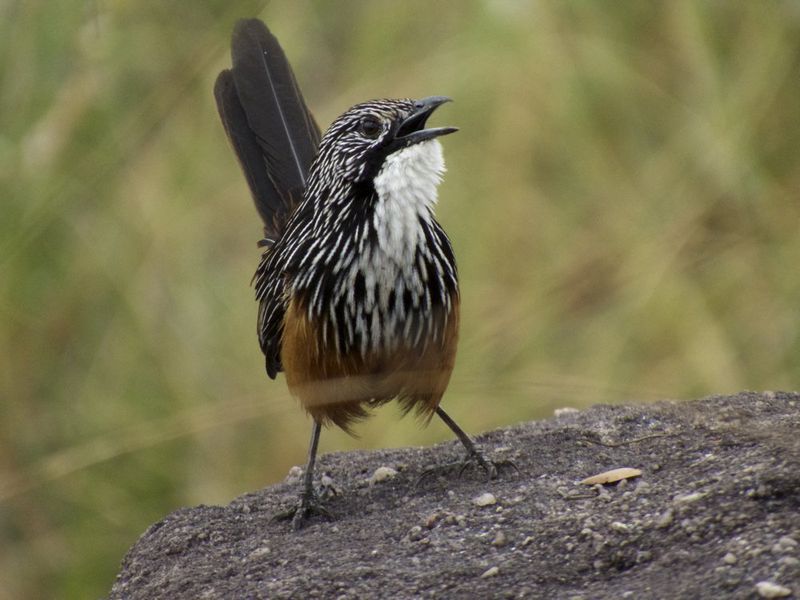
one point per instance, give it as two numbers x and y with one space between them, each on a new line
412 129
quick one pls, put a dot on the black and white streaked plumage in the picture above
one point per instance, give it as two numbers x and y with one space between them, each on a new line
363 250
357 285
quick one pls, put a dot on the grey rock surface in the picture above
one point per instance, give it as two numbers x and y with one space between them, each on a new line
715 514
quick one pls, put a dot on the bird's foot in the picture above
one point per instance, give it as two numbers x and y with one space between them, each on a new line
492 468
309 506
475 459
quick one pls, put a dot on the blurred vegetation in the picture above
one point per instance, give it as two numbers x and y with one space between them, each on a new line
622 196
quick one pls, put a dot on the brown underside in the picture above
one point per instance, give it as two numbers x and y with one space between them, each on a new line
340 389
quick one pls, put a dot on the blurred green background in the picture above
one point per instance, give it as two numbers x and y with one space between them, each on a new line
623 198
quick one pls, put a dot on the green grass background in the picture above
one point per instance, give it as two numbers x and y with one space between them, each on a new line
623 197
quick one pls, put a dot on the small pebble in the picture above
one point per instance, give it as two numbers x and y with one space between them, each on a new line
767 589
328 488
602 493
729 558
788 541
382 474
490 572
665 520
500 539
294 475
485 499
689 498
259 552
620 527
432 519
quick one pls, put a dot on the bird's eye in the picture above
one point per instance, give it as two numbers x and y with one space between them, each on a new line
370 127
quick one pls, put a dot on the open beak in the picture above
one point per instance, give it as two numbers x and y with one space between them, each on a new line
412 130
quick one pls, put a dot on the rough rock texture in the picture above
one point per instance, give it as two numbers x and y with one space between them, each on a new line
715 514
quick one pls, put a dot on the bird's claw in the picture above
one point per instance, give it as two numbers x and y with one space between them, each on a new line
300 514
493 469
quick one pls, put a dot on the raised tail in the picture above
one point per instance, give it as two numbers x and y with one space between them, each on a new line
273 133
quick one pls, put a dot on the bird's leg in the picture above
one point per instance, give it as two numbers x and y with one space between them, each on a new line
473 453
309 501
308 476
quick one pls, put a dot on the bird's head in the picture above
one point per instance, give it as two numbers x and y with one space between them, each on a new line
358 143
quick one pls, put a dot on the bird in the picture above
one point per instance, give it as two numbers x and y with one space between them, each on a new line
357 286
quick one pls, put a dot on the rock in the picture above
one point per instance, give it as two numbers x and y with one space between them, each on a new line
490 572
767 589
500 539
485 499
382 474
565 410
424 537
785 545
666 519
620 527
295 475
689 498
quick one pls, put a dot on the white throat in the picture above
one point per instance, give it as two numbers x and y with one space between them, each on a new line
406 187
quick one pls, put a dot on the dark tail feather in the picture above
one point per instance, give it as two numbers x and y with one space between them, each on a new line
267 199
267 121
